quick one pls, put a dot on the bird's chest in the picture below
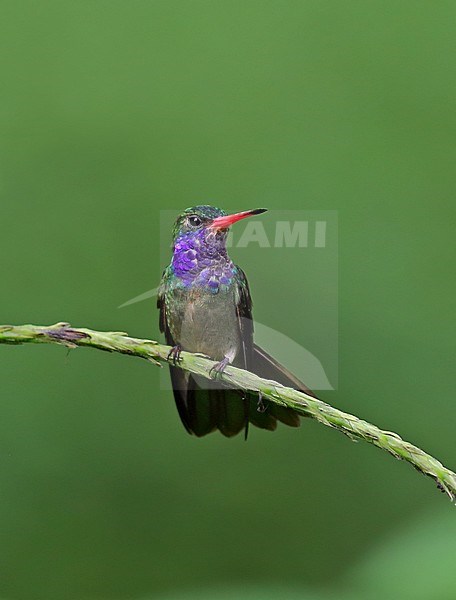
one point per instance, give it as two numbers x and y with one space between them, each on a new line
203 321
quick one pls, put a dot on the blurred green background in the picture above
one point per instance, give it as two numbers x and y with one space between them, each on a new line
111 111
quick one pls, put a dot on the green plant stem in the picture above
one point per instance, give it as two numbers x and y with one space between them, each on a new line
114 341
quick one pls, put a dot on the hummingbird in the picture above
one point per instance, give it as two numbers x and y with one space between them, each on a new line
206 307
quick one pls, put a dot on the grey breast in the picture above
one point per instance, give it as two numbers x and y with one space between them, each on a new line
208 323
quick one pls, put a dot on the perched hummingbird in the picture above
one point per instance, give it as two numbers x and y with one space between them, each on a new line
205 306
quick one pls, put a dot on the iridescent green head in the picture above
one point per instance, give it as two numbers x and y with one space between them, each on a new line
195 219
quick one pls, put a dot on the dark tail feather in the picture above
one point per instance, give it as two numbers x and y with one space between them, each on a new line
179 381
204 406
231 413
198 412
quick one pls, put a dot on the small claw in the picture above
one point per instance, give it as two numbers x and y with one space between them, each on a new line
218 368
175 354
261 406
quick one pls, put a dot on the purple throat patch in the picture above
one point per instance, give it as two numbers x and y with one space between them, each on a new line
200 259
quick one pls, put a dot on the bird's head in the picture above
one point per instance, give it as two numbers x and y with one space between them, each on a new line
199 244
208 224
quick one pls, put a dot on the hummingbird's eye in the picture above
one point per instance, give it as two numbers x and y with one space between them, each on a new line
194 221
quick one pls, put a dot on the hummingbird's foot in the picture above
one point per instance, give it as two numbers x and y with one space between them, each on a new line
175 353
219 367
261 406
